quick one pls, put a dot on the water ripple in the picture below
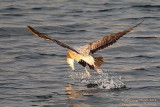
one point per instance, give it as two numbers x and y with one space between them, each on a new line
33 71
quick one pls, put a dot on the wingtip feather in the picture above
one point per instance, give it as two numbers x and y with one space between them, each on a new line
138 24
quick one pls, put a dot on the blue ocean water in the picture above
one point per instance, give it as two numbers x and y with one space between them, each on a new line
33 72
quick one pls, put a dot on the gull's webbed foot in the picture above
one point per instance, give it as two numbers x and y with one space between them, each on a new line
99 71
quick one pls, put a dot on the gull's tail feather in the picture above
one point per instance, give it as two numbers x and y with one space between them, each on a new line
98 61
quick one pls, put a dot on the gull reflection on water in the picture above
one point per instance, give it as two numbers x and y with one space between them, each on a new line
75 94
72 93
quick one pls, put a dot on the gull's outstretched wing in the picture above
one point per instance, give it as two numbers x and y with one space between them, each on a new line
46 37
107 40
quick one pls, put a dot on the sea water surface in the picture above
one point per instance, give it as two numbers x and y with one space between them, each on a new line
34 72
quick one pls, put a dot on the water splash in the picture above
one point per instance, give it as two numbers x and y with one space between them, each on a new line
101 80
110 81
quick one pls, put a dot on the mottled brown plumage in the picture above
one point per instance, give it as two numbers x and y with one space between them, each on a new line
82 54
46 37
106 41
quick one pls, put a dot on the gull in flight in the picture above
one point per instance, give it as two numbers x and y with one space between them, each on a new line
83 54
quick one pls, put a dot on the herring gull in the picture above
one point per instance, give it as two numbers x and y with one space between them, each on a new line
83 54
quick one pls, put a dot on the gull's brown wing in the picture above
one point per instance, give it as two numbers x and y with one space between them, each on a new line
107 40
46 37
